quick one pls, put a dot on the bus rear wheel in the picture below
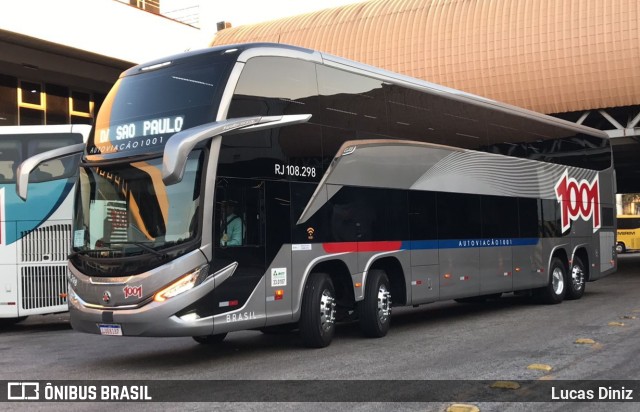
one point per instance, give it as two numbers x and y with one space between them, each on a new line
210 339
375 308
555 291
318 317
576 283
620 248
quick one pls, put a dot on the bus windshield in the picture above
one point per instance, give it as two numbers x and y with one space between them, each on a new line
126 210
143 110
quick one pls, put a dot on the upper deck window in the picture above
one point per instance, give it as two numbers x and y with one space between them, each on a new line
272 86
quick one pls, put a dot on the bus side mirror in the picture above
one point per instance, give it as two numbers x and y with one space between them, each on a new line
182 143
29 165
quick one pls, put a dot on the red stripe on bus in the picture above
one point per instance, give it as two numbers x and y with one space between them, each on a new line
344 247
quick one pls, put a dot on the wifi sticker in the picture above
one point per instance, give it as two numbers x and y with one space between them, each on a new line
310 232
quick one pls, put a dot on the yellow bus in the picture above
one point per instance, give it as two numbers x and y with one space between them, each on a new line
628 233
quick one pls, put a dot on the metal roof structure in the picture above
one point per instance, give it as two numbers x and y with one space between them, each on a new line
575 59
545 55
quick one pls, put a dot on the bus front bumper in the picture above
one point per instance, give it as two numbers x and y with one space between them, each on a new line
151 319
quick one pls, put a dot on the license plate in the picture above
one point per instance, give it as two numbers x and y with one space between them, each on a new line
109 329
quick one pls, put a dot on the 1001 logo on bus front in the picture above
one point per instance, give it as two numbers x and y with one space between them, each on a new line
578 200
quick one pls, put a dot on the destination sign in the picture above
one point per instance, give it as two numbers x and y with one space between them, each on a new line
142 135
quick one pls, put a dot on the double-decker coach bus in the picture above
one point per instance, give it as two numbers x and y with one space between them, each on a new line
263 186
35 236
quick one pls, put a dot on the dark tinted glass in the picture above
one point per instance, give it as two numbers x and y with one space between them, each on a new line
278 217
332 140
31 117
629 223
499 217
287 153
409 114
423 219
316 229
142 111
81 102
357 214
351 101
607 216
366 214
14 149
529 218
31 92
458 216
551 223
8 101
271 86
57 104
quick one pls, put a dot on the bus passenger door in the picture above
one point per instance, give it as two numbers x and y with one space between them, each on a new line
239 236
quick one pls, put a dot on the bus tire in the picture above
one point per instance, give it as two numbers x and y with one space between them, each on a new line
555 291
375 308
577 280
317 320
620 248
210 339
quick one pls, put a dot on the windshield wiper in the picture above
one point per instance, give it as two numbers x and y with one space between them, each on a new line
141 245
87 251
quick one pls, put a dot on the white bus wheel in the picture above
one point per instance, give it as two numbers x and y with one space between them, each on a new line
577 280
375 308
317 320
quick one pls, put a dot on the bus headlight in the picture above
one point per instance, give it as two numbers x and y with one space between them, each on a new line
186 282
72 298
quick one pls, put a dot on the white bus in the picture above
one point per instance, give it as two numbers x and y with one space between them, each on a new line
35 235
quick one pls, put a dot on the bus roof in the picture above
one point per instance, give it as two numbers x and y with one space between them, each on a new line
500 118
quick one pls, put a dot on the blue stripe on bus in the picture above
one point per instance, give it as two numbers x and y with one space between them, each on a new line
467 243
44 199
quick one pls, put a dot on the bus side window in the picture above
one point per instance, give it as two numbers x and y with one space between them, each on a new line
7 170
10 158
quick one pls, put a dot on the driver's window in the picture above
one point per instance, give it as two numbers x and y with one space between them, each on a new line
238 214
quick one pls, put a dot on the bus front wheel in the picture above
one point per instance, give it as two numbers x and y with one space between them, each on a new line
318 317
620 248
555 291
375 308
576 283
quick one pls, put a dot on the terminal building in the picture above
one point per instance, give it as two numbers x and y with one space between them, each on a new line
59 58
572 59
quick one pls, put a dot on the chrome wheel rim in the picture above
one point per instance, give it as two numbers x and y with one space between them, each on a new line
557 281
327 310
384 304
577 277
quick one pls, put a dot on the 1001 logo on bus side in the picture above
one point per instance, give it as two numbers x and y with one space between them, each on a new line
578 200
